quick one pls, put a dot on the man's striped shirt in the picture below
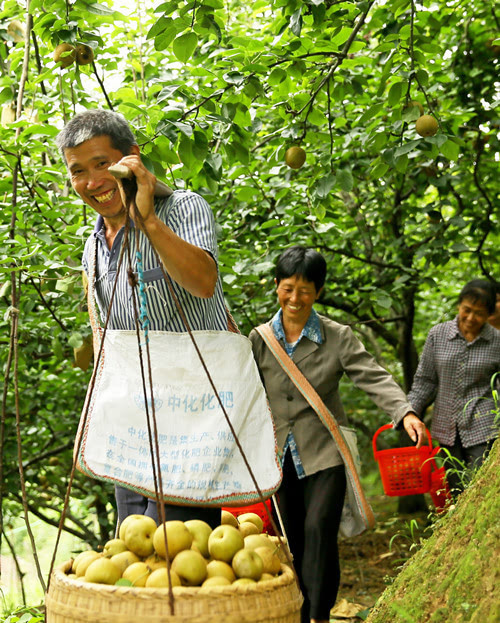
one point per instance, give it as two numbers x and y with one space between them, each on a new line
191 218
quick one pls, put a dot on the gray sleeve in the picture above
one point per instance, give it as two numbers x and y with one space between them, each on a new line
425 382
367 374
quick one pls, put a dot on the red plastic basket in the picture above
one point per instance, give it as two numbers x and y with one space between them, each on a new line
440 491
259 510
407 470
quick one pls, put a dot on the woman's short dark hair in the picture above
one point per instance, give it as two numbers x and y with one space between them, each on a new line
303 262
479 291
92 123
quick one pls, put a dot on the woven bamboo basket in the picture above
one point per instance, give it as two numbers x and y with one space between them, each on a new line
74 601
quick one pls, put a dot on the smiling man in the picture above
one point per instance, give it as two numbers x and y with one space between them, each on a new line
180 236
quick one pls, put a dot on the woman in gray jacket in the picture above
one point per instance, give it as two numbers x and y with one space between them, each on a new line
311 495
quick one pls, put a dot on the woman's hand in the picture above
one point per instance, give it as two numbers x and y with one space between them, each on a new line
415 428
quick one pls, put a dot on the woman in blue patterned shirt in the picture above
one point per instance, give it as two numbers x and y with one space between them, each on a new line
311 496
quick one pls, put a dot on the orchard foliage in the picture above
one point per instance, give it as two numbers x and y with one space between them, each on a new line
216 92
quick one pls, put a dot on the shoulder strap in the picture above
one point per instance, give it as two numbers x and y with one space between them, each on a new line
324 414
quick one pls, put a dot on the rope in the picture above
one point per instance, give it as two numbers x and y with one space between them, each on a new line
151 420
143 308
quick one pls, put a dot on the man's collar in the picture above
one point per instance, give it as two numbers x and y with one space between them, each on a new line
100 226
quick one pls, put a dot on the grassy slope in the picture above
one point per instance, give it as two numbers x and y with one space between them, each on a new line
455 576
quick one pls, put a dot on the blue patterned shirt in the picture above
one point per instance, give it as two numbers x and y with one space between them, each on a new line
312 331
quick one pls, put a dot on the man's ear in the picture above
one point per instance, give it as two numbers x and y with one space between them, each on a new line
135 151
319 292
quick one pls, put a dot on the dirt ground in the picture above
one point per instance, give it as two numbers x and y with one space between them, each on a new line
371 560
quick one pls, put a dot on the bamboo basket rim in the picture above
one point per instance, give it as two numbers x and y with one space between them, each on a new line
286 577
76 601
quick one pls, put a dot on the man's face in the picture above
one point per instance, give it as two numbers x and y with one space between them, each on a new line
88 168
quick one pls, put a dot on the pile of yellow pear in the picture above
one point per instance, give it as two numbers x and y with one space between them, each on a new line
235 552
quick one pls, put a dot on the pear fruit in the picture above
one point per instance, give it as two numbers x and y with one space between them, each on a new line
253 541
178 538
224 542
414 104
82 556
218 568
216 580
155 562
247 527
252 518
64 54
114 546
16 30
85 562
159 579
200 531
123 525
124 559
191 567
84 54
139 535
8 115
137 573
426 125
270 560
228 518
243 582
295 157
247 564
83 354
102 571
265 577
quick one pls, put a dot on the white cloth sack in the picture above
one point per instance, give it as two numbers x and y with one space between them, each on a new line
352 522
200 461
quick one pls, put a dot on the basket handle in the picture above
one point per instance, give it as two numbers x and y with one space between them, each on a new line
433 454
386 427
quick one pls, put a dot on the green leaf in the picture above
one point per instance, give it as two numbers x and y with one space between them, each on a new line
325 185
395 93
406 148
401 163
100 9
184 46
213 165
345 180
423 77
124 582
379 170
276 76
341 36
383 300
296 22
450 150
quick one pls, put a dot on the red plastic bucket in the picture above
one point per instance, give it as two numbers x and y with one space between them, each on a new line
407 470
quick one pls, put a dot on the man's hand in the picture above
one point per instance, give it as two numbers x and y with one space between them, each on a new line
415 428
146 181
193 268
